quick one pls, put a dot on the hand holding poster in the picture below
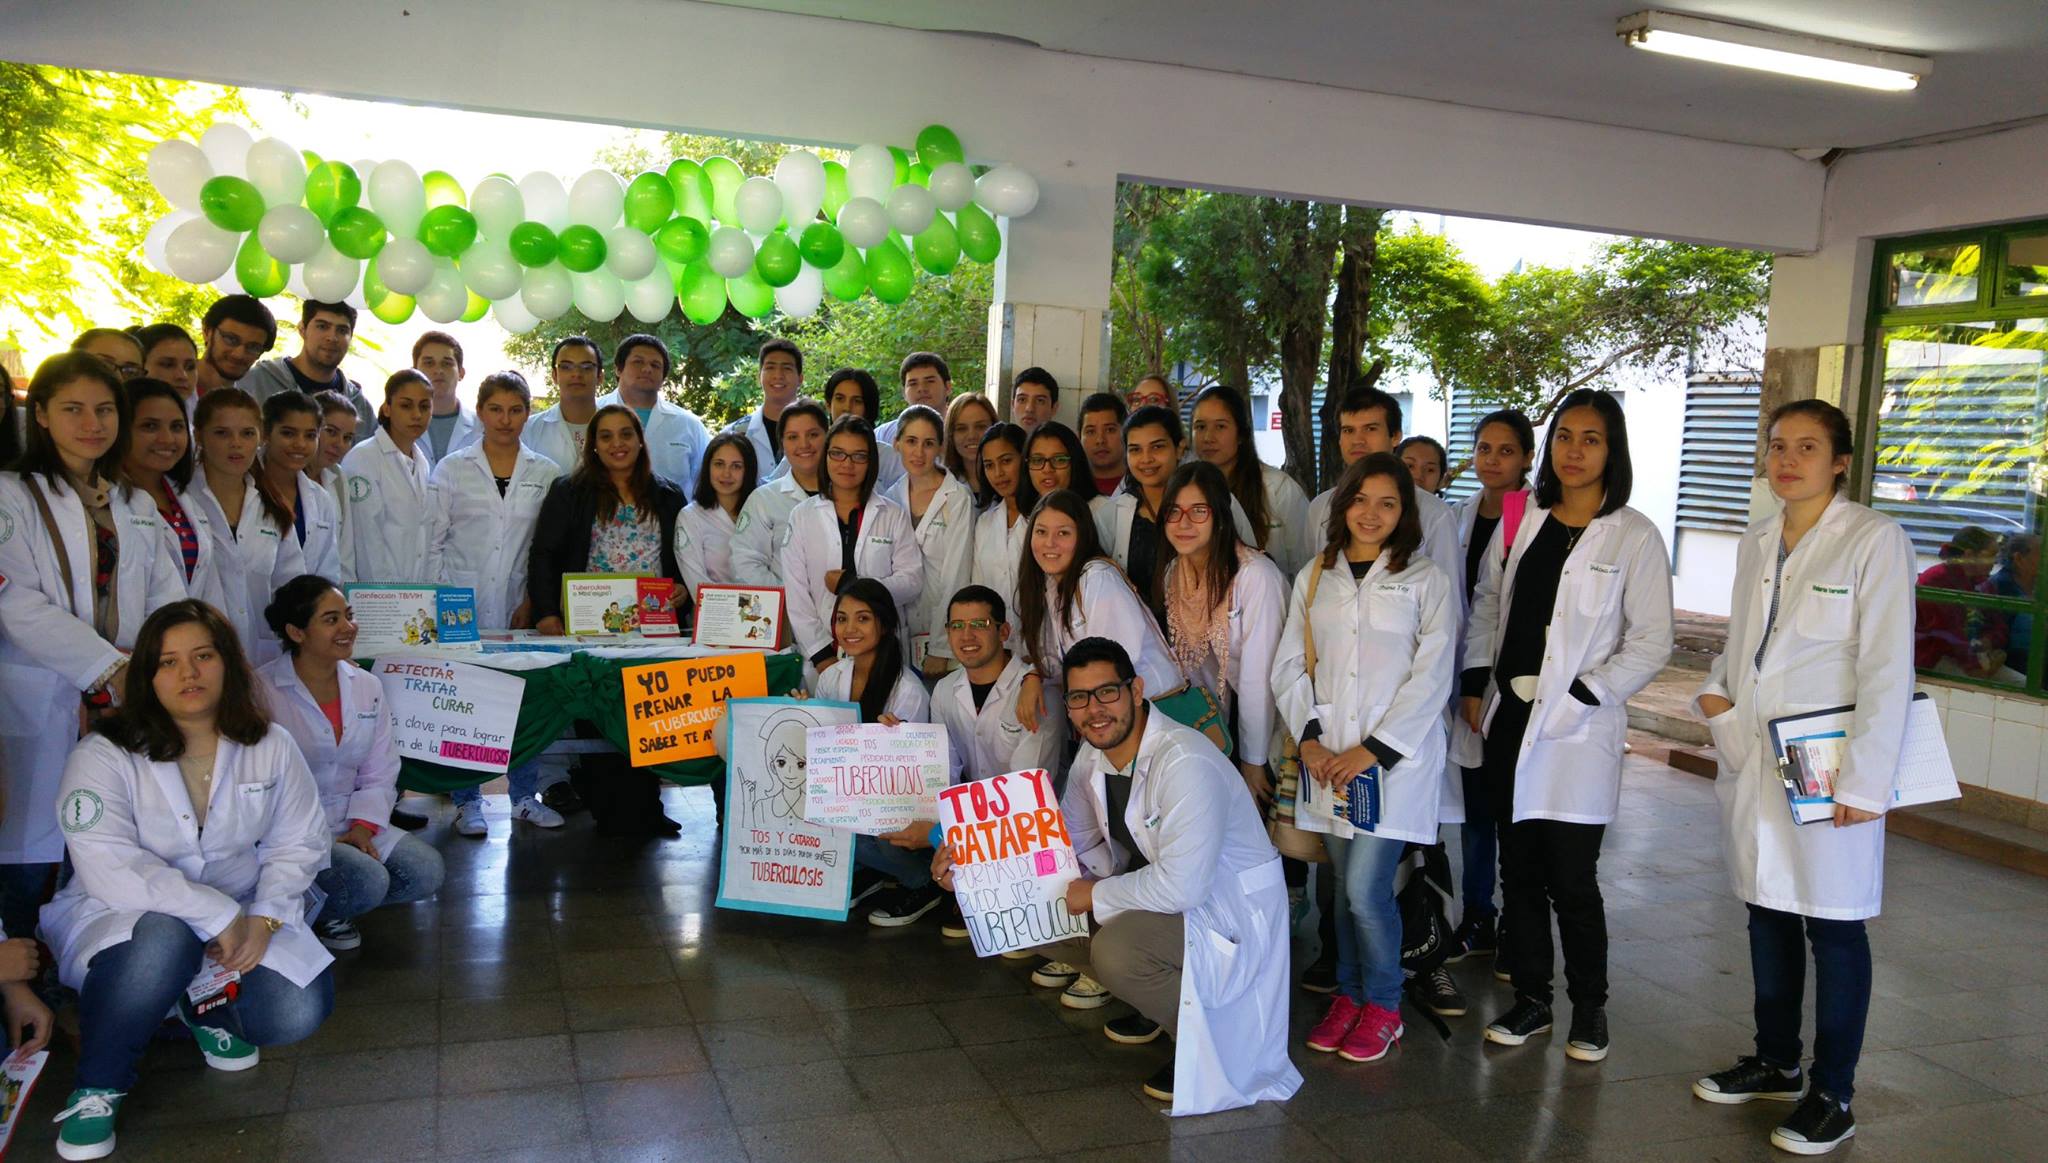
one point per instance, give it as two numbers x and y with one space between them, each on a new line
771 859
671 707
1012 861
451 713
871 778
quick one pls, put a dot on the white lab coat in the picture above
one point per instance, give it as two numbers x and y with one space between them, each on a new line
991 741
49 651
465 433
1441 539
321 512
555 438
704 547
1105 606
201 581
1844 636
945 539
386 503
1257 606
1288 539
478 539
1383 671
250 562
675 440
998 550
1609 629
1466 747
357 775
885 549
1211 863
1116 513
135 849
762 530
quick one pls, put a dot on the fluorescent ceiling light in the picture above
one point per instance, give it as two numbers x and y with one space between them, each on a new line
1787 53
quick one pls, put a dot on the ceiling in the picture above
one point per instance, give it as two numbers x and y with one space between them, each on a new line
1554 57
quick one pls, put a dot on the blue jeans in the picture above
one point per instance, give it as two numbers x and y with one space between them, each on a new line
131 986
355 883
1480 847
522 780
911 868
23 889
1368 921
1841 994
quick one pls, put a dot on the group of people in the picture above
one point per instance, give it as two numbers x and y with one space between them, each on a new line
1178 630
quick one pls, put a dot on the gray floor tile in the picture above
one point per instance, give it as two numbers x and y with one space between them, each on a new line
602 1055
505 1064
663 1109
400 1129
800 1090
364 1076
625 1006
1096 1116
855 1138
509 1119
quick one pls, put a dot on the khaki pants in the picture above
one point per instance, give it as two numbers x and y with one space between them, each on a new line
1137 957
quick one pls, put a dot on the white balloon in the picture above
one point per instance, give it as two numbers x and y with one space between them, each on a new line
153 243
952 186
546 292
227 148
445 298
295 284
598 295
597 199
498 208
648 299
731 253
1007 190
758 202
800 299
801 178
513 316
290 233
489 269
405 265
546 201
279 171
863 222
911 209
331 275
228 284
398 197
628 253
200 252
177 169
871 172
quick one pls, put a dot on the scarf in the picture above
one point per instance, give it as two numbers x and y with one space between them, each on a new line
1197 621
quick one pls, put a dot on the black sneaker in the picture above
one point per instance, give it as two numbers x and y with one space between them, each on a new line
562 797
1818 1125
1587 1041
1751 1078
1160 1085
1132 1030
1320 977
1523 1021
409 821
952 924
865 881
903 906
1474 938
1441 994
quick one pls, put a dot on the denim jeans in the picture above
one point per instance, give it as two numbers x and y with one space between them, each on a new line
1841 994
1368 921
909 867
356 883
131 986
1479 846
23 890
523 781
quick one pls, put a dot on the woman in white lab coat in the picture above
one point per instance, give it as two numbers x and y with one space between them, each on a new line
1822 617
194 831
763 525
334 710
482 502
159 462
1055 458
1560 638
1005 520
1384 621
942 511
384 488
967 418
66 619
291 442
704 529
254 547
844 532
1273 503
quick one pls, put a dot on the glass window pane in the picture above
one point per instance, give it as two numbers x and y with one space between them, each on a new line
1935 275
2026 265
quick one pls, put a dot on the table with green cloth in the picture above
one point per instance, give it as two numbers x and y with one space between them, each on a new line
567 685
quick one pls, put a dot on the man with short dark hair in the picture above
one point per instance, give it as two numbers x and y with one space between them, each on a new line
1034 398
1102 438
781 375
325 331
977 700
1369 421
577 368
926 380
452 426
238 330
675 436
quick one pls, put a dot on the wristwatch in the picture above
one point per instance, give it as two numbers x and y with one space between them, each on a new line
270 923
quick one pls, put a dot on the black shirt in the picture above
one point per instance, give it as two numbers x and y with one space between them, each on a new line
774 428
1143 557
849 538
1526 627
1475 552
1116 787
980 692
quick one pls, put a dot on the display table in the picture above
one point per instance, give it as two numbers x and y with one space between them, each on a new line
567 682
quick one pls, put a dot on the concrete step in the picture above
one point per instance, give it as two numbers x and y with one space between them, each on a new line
1665 707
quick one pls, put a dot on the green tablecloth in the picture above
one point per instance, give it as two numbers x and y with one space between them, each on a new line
588 688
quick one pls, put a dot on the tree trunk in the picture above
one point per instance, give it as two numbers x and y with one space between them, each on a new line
1305 235
1349 313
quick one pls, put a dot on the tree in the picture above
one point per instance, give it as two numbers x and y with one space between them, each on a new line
1350 324
945 315
1294 299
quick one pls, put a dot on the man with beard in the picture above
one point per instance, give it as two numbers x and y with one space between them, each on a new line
238 330
325 331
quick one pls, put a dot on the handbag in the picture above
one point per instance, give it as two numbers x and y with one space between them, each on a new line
1195 705
1284 757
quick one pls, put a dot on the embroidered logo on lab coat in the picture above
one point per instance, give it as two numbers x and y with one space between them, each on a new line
6 526
82 809
358 488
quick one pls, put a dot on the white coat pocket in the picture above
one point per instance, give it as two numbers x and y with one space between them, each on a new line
1828 613
1392 610
1599 588
1727 744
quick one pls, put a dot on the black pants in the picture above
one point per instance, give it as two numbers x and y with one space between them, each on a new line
1546 867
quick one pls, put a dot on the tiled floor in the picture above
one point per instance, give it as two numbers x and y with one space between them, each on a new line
572 998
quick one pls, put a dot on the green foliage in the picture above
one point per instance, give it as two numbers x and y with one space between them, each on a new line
948 315
1426 301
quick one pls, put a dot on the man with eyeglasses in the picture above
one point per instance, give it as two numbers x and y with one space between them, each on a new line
238 330
576 367
977 700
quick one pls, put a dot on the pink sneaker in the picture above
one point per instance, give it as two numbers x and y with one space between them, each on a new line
1330 1032
1375 1034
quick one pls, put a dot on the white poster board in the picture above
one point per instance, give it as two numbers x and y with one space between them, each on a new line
869 778
451 713
771 859
1012 861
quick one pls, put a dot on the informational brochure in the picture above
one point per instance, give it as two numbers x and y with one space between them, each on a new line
17 1082
1812 748
601 603
390 617
739 617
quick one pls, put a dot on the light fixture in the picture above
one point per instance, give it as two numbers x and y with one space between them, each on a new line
1790 54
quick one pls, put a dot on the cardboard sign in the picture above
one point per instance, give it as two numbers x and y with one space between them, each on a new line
392 618
869 778
671 707
739 617
600 603
771 859
1012 861
451 713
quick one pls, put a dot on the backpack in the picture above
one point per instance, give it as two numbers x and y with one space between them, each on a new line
1423 900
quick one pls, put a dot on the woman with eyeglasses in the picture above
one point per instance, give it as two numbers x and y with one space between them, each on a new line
850 391
1005 520
942 510
1056 455
845 532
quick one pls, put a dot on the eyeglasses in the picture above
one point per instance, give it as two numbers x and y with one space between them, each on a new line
1060 461
842 456
130 371
578 369
1199 514
1108 696
971 624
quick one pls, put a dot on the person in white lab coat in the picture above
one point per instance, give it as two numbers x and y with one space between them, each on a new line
926 379
763 526
1427 462
969 416
1384 622
781 377
1004 522
704 528
159 463
560 432
845 532
1369 421
482 501
977 700
1102 437
334 710
384 502
942 511
675 436
452 425
194 831
851 391
1127 521
1056 460
1822 617
291 438
337 437
254 547
66 621
1274 503
1561 637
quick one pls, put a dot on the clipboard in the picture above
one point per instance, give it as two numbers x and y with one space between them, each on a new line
1810 749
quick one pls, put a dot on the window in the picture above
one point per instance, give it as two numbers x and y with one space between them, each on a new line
1717 460
1959 386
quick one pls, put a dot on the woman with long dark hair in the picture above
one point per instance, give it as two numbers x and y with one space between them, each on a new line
763 526
852 391
169 355
847 531
1056 458
1273 503
705 528
942 510
291 442
159 463
1006 501
255 549
486 498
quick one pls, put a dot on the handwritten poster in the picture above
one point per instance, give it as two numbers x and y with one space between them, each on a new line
1012 861
869 778
771 859
451 713
672 707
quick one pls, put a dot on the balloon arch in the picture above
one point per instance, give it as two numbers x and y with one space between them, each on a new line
701 233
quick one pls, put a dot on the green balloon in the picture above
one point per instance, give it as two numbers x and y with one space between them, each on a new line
920 175
937 145
836 190
702 293
751 296
260 274
649 202
889 274
477 309
384 303
582 249
821 245
231 203
938 248
692 187
448 230
847 279
533 244
312 160
332 187
979 238
902 157
777 261
357 233
682 240
443 189
726 176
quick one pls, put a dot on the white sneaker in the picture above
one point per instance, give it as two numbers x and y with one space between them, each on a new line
536 813
1085 994
338 935
469 819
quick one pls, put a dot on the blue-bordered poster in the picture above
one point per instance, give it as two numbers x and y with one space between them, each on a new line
772 860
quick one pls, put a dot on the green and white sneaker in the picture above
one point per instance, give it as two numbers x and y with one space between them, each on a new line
224 1049
88 1118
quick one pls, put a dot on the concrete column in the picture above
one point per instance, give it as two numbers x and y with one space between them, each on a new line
1051 306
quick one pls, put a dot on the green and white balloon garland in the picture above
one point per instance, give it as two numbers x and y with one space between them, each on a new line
262 217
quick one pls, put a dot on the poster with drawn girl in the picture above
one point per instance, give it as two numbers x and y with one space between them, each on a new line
771 859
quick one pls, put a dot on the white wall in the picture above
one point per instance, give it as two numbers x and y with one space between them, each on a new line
1705 571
